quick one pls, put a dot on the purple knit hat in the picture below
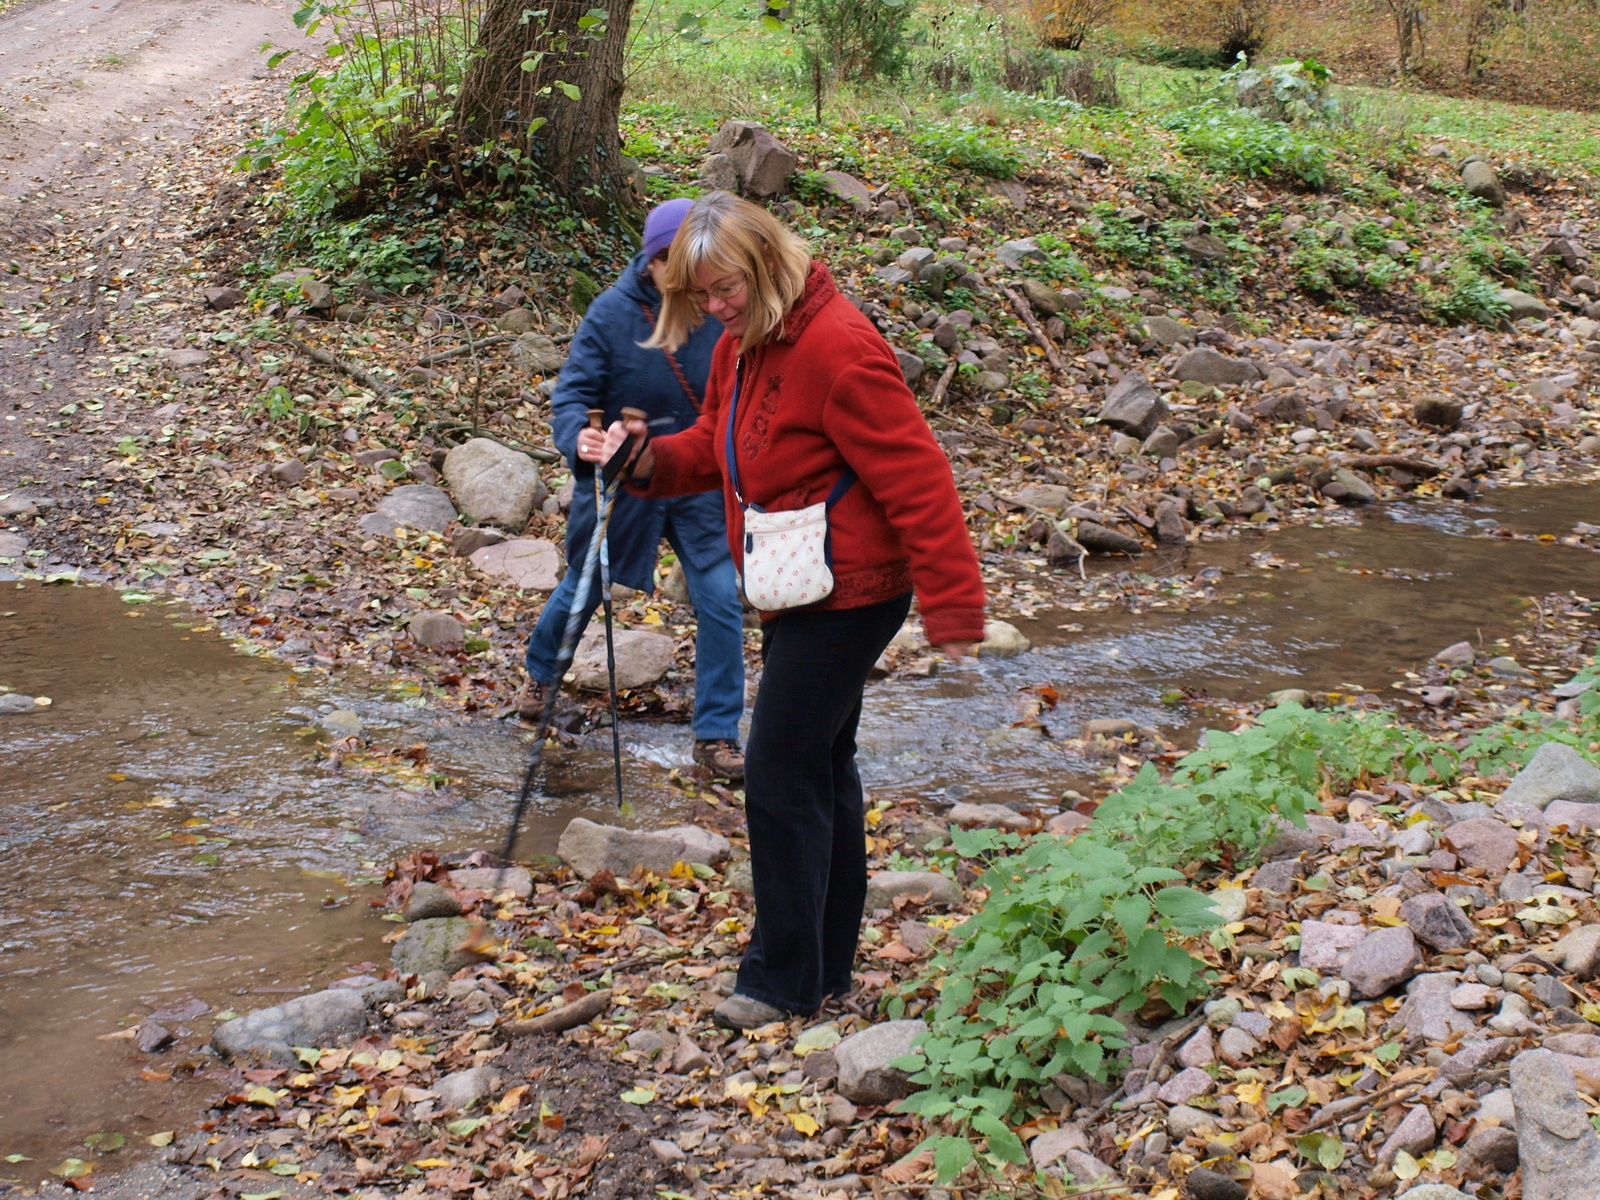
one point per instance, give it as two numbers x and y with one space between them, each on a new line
661 226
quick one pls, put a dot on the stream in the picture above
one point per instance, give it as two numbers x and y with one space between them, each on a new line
172 830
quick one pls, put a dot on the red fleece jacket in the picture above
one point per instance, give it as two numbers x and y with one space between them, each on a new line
825 393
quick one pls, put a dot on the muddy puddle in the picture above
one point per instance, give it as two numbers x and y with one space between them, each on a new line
171 829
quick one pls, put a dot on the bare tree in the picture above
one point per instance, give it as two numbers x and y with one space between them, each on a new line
1065 24
1408 31
550 80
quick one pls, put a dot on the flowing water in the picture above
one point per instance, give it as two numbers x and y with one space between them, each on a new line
172 830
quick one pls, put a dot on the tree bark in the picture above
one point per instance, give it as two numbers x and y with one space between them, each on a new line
574 141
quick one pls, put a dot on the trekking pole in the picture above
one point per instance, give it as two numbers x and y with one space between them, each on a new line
597 422
613 473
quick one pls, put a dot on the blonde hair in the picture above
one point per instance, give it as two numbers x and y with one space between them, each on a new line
730 235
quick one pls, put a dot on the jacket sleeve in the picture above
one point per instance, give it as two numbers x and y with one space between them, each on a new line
686 462
871 416
583 384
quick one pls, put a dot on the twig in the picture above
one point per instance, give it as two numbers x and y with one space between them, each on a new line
943 385
1367 462
540 453
1025 311
1339 1109
470 347
360 374
569 1016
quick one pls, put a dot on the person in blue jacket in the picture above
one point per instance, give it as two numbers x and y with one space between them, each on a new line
607 368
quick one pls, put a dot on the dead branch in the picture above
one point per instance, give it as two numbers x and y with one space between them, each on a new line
1025 311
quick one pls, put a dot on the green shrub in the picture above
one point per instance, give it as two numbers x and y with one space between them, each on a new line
1240 143
1297 90
969 146
1470 297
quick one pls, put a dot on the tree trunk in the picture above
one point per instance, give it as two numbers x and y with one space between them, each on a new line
575 141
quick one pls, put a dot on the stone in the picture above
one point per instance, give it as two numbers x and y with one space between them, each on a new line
1437 922
318 294
1576 818
1067 824
1170 527
1507 667
1465 1064
412 506
866 1073
1435 1191
1133 407
429 901
460 1090
1482 842
1220 1013
1385 959
1162 443
1472 997
1278 877
1236 1047
1167 332
1188 1084
493 880
718 174
436 630
1041 297
986 816
1499 1104
689 1057
518 322
12 546
1002 640
764 164
846 186
1184 1121
1438 411
470 538
1415 1135
1492 1148
539 353
1205 1184
1108 727
1458 655
1428 1014
1015 255
1206 365
1086 1169
1521 305
648 1042
1480 180
642 658
329 1018
667 1153
887 886
1557 1147
1555 772
1577 953
1097 539
493 484
588 848
1206 248
533 564
436 944
1353 488
911 366
1200 1050
1325 946
221 298
289 472
1048 1147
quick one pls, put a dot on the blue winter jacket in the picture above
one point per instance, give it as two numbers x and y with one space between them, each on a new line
607 368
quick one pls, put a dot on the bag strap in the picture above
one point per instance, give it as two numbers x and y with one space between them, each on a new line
845 483
672 361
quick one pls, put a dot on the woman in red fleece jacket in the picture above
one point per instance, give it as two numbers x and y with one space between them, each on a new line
819 395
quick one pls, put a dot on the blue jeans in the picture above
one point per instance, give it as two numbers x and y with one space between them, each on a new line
718 643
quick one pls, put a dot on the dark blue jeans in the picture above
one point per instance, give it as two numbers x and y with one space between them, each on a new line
718 643
803 802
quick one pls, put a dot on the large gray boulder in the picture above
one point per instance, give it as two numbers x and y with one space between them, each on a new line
642 658
1205 365
335 1017
1133 407
1555 772
414 506
866 1075
493 484
588 848
763 162
1558 1148
435 944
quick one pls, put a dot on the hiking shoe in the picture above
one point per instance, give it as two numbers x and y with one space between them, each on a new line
743 1012
722 755
530 701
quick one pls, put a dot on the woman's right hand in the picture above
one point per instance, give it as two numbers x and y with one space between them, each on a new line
595 448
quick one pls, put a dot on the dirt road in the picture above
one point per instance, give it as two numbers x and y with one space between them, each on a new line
100 103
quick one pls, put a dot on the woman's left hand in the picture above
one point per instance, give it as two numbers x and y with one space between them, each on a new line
956 651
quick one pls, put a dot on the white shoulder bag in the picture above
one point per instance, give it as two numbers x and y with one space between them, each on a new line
788 556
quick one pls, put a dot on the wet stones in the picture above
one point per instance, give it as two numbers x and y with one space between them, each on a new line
1098 539
329 1018
1438 922
642 657
1133 407
1555 772
1002 640
588 848
493 484
436 944
1557 1147
1384 959
866 1073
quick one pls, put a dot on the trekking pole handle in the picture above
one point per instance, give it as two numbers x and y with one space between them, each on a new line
597 418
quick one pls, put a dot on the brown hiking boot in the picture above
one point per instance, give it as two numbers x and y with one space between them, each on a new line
745 1012
530 700
722 755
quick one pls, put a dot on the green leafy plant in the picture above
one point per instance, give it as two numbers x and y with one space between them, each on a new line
1469 297
1239 142
970 146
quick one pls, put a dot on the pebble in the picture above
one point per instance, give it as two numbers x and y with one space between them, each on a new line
1237 1047
1183 1121
1415 1135
1220 1013
1206 1184
1188 1084
1470 997
1383 960
1200 1050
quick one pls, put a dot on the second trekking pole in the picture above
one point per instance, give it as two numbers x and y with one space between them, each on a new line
597 422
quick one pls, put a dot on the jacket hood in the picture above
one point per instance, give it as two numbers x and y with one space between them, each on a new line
818 291
636 283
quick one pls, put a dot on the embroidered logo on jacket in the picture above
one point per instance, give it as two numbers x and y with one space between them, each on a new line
759 432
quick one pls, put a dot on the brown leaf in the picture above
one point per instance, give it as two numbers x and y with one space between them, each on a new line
1272 1182
907 1169
1287 1032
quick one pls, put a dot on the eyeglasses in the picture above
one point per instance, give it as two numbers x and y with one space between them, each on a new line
722 291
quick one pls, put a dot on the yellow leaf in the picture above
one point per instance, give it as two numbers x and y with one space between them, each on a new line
427 1163
1405 1167
804 1123
348 1097
1249 1093
653 618
511 1100
160 1139
262 1095
729 925
1382 920
757 1109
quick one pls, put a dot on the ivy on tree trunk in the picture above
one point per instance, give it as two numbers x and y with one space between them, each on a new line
553 85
